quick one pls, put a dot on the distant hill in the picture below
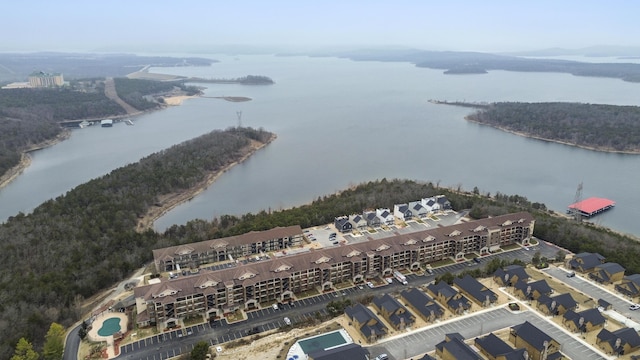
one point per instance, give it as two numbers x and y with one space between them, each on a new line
594 51
17 67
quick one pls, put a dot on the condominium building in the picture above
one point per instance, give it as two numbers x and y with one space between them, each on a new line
229 248
41 79
246 286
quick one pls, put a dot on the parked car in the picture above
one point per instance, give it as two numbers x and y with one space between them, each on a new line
382 357
275 306
477 260
634 307
389 280
571 274
287 321
370 284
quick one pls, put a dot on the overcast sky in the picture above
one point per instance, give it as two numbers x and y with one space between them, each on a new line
79 25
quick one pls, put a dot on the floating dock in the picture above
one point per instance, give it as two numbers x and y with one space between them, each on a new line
591 206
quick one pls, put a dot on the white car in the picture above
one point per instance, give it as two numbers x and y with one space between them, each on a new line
634 307
219 349
287 321
370 284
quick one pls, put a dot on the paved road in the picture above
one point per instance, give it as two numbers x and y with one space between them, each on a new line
618 302
476 325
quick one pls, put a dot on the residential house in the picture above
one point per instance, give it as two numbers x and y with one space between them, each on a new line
422 304
417 210
538 344
343 224
619 342
454 348
585 262
436 203
372 219
358 222
344 352
396 314
427 357
583 321
607 273
605 305
532 290
510 275
402 212
495 348
449 297
366 322
386 216
475 290
630 286
557 305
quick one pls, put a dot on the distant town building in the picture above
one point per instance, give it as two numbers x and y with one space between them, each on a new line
41 79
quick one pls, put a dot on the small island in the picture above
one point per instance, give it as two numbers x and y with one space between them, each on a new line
598 127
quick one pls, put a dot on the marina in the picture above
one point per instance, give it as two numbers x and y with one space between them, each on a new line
591 206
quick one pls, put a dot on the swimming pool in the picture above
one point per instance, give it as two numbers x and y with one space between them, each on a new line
109 327
322 342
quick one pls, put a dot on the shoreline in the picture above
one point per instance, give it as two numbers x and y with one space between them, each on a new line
25 158
636 152
171 201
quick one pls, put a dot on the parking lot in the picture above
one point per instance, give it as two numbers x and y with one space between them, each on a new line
419 342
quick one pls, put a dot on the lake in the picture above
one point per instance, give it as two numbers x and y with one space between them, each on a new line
341 122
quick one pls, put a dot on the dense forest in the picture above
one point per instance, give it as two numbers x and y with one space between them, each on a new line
601 127
71 247
29 117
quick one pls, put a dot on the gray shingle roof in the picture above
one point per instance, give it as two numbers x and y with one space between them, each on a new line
532 335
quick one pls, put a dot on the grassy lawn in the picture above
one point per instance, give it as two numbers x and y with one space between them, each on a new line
343 285
308 293
511 247
235 316
533 241
193 320
442 262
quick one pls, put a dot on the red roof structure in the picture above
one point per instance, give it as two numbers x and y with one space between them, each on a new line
592 206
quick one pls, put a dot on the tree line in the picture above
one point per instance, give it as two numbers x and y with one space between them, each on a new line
603 127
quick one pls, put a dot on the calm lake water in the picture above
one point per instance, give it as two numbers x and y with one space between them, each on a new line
341 122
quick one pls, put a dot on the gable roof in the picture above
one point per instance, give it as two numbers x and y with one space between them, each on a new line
627 335
422 302
589 316
532 335
386 302
493 345
363 315
586 261
541 286
511 271
458 348
344 352
565 300
475 289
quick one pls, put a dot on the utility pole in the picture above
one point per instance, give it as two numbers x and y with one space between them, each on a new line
239 115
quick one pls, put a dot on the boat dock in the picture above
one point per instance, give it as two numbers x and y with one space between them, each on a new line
591 206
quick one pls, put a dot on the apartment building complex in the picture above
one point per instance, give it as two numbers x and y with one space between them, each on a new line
246 286
40 79
210 251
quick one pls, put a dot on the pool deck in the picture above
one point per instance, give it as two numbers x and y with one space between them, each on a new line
297 352
97 324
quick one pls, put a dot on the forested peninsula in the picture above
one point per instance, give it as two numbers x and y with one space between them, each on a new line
592 126
76 245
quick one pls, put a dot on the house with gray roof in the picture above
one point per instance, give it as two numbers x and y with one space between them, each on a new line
386 216
583 321
436 203
402 212
475 290
343 224
510 275
396 314
619 342
358 222
607 273
538 344
344 352
532 290
453 347
630 286
556 305
372 219
585 262
366 322
449 297
417 210
422 304
495 348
